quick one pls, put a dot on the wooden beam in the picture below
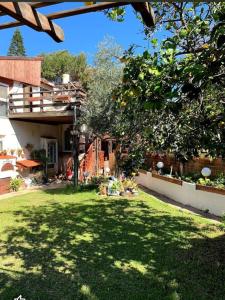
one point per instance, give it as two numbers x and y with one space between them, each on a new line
71 12
85 10
37 5
27 15
144 9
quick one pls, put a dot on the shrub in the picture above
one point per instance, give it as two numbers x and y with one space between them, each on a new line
117 186
129 184
15 184
223 221
97 180
205 181
218 182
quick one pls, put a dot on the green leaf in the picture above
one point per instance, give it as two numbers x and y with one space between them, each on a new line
154 71
154 42
141 76
183 33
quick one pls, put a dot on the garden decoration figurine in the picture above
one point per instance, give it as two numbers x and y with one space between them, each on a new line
206 172
160 165
86 175
107 170
113 186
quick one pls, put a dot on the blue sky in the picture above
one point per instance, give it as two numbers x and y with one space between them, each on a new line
82 33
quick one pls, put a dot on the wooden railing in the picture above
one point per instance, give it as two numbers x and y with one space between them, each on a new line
43 101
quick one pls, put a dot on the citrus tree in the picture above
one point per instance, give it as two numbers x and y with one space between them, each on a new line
172 97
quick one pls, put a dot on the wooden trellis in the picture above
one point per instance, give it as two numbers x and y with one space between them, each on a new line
26 13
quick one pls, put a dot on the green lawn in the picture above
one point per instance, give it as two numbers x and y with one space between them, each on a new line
58 245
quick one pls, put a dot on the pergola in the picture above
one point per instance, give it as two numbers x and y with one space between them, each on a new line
26 13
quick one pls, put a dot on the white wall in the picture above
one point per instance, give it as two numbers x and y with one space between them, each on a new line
185 194
17 134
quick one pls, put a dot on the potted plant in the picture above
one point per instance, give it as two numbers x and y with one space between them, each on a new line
130 186
4 152
103 187
12 151
19 152
29 147
114 187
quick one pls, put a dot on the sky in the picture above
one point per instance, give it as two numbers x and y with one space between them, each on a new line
82 33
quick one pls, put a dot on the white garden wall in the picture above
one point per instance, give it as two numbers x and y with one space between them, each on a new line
185 193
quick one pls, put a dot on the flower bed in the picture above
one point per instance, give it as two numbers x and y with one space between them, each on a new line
167 178
205 198
210 189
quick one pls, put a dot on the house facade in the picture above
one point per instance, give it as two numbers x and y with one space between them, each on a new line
38 115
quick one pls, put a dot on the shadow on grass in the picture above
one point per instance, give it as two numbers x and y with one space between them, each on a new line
69 189
112 249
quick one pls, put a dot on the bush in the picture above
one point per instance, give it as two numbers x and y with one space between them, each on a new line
223 221
117 186
218 182
205 181
129 184
15 184
97 180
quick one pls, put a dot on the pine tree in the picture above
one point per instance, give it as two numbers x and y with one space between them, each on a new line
16 47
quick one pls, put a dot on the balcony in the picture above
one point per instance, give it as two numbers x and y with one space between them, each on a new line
50 107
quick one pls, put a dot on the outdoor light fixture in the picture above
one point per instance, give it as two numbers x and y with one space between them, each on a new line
206 172
107 170
86 174
160 165
83 128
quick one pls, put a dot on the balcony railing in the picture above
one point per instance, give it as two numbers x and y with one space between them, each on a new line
44 101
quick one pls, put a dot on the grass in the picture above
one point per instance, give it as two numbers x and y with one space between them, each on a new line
59 245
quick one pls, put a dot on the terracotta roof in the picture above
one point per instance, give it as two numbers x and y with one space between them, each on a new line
7 157
28 163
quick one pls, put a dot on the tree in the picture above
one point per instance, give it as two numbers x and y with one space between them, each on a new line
172 98
99 109
57 63
16 47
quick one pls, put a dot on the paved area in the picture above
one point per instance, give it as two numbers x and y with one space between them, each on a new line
33 189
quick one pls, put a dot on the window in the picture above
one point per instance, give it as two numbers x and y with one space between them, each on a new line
51 153
3 92
3 109
3 100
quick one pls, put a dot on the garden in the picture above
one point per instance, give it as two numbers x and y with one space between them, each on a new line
108 239
168 99
63 245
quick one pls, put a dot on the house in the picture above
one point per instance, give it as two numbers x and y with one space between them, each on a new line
36 115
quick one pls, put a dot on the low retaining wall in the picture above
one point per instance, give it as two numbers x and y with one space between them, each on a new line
184 192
